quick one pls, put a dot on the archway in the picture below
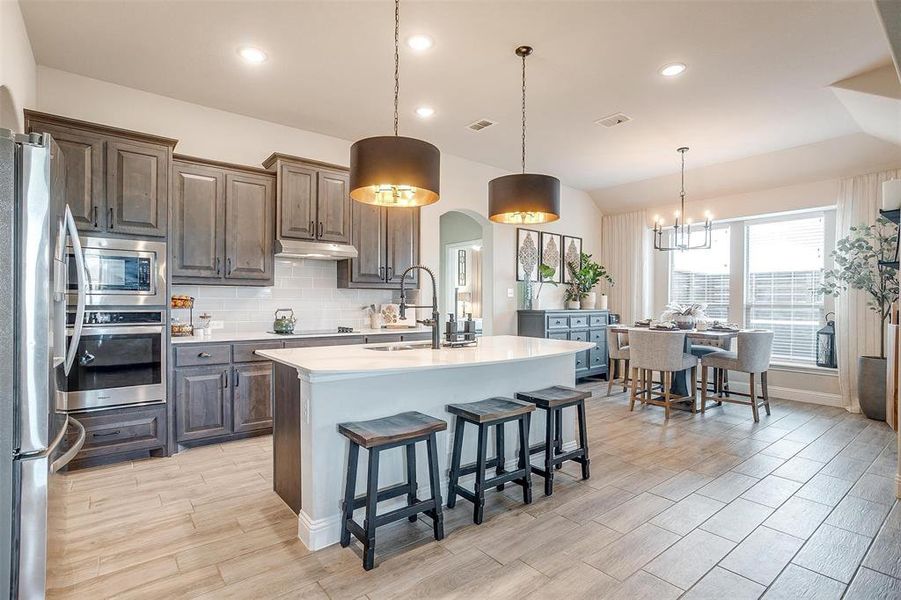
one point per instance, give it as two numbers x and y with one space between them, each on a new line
466 257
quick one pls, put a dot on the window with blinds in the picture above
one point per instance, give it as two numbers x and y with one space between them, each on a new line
702 276
785 261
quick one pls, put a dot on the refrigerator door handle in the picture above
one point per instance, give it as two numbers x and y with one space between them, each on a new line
82 289
67 457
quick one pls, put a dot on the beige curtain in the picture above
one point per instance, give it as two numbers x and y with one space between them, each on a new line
857 327
626 253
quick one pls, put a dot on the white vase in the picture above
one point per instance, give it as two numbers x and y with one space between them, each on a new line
602 302
573 305
589 301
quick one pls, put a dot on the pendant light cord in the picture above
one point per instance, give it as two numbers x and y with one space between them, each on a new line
524 114
396 60
682 193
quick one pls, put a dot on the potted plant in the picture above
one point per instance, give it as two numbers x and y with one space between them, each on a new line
582 280
685 316
545 275
857 257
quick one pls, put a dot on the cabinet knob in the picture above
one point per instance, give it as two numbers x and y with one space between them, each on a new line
203 355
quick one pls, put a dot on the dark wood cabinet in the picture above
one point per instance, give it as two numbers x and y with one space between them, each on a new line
198 205
137 195
575 325
203 406
387 242
117 181
252 397
222 229
249 234
313 199
120 434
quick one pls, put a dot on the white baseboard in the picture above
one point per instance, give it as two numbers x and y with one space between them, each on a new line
799 395
317 534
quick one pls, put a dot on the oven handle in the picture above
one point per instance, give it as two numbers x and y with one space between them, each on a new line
119 330
82 290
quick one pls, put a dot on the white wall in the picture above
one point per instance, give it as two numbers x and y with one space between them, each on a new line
17 67
220 135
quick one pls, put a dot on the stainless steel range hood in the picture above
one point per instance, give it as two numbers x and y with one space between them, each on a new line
313 250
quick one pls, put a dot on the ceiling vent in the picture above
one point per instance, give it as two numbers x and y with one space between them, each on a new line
614 120
481 124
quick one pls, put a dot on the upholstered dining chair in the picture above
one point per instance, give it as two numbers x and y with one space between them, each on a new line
618 347
662 351
751 356
720 383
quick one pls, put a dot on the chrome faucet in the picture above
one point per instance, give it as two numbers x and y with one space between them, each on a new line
436 316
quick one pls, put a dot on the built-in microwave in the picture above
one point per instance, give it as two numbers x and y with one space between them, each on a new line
121 272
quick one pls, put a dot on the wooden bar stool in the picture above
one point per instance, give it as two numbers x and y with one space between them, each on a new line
484 414
404 429
553 400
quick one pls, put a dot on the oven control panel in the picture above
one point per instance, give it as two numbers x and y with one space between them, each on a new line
125 317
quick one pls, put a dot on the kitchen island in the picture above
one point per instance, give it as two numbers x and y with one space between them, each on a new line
317 388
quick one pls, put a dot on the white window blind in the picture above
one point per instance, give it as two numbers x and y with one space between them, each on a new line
702 276
785 262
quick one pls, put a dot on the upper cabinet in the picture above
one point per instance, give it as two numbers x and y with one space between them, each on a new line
117 181
387 241
313 199
222 228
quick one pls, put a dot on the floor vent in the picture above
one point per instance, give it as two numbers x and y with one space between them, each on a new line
614 120
480 124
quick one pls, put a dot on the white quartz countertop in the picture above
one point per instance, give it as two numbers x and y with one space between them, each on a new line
359 359
253 336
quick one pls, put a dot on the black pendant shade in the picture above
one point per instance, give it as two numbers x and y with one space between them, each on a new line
524 198
395 171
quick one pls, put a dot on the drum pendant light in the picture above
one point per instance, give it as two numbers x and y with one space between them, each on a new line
524 198
394 171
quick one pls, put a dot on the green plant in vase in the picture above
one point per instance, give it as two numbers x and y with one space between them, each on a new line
582 281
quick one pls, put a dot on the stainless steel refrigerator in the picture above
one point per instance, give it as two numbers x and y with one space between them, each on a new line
36 438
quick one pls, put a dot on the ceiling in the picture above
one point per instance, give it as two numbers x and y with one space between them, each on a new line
757 81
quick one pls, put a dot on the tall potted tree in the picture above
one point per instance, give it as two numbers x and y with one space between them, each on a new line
857 266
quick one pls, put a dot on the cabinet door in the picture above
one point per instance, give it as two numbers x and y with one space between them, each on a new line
83 155
137 194
198 221
249 235
297 202
252 397
368 235
403 243
333 211
203 406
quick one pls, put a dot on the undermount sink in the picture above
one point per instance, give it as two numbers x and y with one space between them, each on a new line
398 347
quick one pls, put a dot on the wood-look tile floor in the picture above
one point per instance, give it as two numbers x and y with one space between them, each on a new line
800 505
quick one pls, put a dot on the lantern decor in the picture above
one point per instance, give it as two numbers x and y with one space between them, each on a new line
826 344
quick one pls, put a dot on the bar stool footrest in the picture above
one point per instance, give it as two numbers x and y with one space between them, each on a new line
386 494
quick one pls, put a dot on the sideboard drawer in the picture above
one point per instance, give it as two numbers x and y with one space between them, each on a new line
597 335
577 322
597 320
581 361
557 322
206 354
558 335
596 359
578 336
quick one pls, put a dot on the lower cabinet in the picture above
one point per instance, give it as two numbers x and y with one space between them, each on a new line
120 434
574 325
252 397
203 404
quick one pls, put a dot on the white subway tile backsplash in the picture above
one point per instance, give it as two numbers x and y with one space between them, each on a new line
307 286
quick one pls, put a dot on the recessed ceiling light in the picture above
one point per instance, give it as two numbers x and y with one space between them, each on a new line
419 42
251 55
424 112
672 69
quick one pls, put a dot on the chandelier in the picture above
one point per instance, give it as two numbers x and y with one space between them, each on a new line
680 237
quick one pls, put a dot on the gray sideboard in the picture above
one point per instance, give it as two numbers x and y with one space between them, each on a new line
577 325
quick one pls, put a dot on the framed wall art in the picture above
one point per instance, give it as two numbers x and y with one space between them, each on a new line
527 254
552 254
572 252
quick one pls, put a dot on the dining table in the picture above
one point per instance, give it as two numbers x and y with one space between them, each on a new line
680 385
